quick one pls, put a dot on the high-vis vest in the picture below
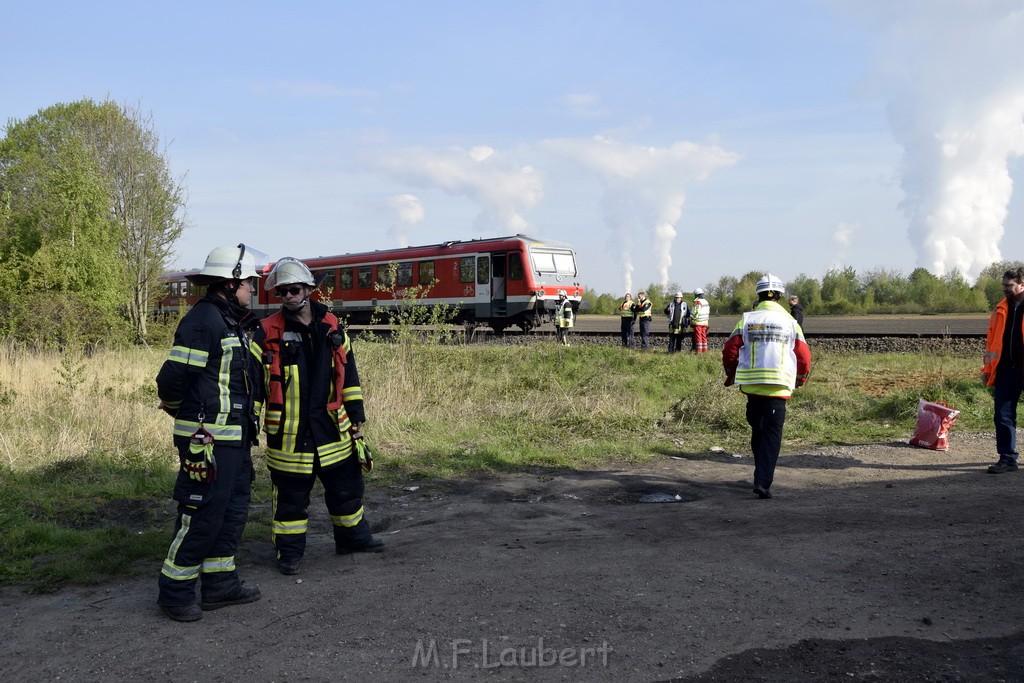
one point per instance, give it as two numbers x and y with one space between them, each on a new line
994 341
701 312
627 309
643 308
767 356
564 316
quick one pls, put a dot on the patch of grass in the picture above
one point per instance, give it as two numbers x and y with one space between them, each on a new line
85 493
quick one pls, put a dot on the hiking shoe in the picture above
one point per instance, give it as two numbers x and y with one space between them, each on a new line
243 595
288 567
1003 466
374 545
762 493
185 613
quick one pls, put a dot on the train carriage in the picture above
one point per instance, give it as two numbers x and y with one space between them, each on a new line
500 282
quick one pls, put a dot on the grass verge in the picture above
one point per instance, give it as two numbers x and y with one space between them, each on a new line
85 493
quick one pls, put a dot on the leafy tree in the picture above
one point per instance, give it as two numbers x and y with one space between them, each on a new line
57 240
840 290
807 288
104 161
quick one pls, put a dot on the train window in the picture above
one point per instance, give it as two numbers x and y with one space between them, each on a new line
560 262
329 282
404 274
386 274
345 281
515 267
426 273
365 277
467 271
483 270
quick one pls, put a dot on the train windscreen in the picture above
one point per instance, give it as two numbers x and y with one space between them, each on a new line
556 261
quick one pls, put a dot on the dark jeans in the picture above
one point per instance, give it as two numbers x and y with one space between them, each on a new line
765 416
627 332
675 342
1007 394
645 332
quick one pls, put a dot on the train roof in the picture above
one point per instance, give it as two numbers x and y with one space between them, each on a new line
456 246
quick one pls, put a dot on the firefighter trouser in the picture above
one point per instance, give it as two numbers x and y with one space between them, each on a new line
766 417
700 338
675 340
343 493
211 518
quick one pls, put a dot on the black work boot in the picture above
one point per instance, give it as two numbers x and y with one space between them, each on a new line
374 545
289 567
243 595
1004 465
185 613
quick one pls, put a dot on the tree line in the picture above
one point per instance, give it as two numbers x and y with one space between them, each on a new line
842 291
89 214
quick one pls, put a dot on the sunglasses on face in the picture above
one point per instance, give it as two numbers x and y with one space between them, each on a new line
294 290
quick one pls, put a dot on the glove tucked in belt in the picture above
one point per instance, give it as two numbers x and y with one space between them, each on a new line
200 464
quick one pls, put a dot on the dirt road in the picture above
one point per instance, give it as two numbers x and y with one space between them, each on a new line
873 562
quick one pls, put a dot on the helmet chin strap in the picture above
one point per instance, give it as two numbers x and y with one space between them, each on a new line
297 306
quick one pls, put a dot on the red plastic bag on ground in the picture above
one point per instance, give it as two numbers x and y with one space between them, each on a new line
933 423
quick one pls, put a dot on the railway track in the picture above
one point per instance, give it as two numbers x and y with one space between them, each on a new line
878 334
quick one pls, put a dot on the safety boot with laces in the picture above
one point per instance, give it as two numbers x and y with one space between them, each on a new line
243 595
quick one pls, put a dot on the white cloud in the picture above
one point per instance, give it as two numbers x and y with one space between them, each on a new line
644 189
503 189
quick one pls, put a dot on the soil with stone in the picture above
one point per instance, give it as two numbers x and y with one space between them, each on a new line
872 562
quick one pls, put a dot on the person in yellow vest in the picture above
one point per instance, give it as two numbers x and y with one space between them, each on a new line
700 318
627 311
563 317
766 355
314 418
643 314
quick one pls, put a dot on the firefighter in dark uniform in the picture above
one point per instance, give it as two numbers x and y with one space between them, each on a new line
314 418
211 385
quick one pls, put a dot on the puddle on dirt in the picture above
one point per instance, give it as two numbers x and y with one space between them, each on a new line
659 497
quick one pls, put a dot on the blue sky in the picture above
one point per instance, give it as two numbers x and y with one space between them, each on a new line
669 141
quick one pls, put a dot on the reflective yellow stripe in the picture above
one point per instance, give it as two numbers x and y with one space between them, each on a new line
354 393
212 565
228 346
348 520
290 461
297 526
220 432
175 571
194 357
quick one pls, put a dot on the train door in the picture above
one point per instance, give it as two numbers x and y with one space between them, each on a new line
499 292
483 286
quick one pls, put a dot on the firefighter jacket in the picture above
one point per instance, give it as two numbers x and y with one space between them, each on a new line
677 320
994 339
209 377
767 354
564 314
313 395
643 308
701 312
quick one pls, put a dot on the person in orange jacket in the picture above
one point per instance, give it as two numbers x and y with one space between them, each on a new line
1003 368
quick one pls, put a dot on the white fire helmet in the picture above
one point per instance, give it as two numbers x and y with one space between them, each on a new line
698 292
770 283
289 271
561 292
679 295
226 263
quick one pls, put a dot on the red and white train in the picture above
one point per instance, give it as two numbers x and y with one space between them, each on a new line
499 282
